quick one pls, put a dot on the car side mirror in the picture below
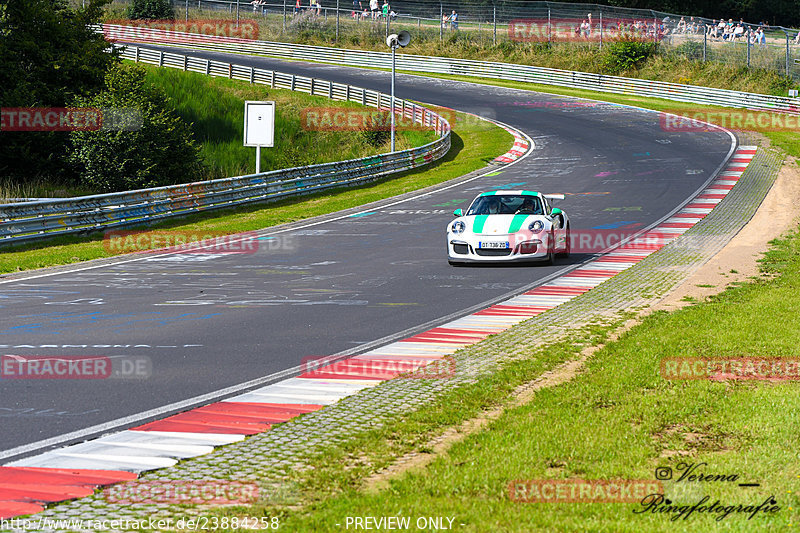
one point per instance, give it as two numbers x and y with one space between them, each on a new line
556 211
458 213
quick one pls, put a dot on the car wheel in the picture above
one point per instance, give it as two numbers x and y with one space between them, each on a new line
566 251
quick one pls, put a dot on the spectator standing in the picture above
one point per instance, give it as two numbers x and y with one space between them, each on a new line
454 20
357 8
373 7
585 29
297 7
385 9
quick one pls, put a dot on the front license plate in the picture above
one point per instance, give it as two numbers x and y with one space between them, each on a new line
493 245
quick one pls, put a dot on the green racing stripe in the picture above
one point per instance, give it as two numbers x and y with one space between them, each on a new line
477 225
516 223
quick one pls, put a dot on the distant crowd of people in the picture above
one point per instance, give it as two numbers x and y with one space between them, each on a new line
374 12
722 31
730 32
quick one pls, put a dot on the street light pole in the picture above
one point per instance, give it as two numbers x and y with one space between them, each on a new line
394 41
394 53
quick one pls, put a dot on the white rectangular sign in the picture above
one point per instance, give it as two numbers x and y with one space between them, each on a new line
259 124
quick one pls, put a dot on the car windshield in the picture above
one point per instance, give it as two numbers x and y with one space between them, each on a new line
506 204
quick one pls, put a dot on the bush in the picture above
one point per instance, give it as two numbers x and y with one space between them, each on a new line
622 56
155 150
150 10
49 55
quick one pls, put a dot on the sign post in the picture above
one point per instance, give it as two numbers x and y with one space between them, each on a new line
259 127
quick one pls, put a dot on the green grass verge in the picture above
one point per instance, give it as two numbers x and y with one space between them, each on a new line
474 144
215 109
619 419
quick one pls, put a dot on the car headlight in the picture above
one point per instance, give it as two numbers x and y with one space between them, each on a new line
536 226
458 227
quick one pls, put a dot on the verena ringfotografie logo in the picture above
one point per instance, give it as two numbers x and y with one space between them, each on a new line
699 120
355 368
582 490
200 492
69 119
182 241
731 368
75 367
139 30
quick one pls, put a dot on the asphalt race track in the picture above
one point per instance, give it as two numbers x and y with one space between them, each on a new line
209 321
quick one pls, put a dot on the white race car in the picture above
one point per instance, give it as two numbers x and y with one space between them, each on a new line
509 226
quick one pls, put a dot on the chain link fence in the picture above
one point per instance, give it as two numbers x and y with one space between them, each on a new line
504 24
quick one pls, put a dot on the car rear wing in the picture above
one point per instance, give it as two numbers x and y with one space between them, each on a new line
554 196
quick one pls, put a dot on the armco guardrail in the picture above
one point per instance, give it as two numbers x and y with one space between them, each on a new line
462 67
34 220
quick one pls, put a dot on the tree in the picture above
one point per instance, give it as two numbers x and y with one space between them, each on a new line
156 149
48 56
151 10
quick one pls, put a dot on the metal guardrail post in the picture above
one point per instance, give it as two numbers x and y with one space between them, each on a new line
136 58
441 24
185 62
601 27
252 75
208 67
272 79
337 21
747 37
284 15
294 78
494 21
788 73
347 93
160 58
549 27
330 90
705 45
